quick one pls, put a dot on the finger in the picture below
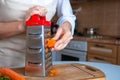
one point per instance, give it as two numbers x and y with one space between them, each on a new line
42 11
32 13
61 46
35 12
66 37
35 8
38 8
63 40
62 43
58 34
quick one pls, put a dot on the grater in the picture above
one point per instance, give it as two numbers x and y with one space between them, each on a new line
38 55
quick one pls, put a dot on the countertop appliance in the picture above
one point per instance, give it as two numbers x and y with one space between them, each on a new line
91 32
75 51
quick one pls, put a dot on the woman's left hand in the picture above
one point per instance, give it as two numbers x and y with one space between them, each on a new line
63 36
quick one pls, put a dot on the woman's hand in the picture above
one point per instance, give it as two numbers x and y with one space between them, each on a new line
63 36
17 27
42 11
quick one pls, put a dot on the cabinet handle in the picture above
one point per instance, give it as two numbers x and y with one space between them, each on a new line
101 46
99 58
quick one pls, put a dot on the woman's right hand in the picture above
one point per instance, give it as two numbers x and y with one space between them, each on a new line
42 11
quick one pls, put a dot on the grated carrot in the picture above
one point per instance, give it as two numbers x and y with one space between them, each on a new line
52 72
51 75
10 73
51 43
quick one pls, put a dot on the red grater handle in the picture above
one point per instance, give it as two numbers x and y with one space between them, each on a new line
37 20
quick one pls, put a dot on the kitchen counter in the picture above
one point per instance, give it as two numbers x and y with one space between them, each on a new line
111 71
107 40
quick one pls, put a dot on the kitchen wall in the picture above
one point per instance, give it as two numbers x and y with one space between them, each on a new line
101 14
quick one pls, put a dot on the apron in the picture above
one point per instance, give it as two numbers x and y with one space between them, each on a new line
12 50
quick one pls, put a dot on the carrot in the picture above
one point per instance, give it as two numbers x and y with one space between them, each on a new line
51 75
10 73
52 72
51 43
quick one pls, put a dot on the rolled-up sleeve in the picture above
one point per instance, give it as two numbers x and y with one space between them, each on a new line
65 13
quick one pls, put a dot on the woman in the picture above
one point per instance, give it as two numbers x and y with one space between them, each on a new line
13 14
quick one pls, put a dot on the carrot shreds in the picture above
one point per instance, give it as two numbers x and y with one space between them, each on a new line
51 43
51 75
52 72
10 73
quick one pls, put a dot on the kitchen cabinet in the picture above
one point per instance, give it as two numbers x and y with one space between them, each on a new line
75 4
99 52
118 55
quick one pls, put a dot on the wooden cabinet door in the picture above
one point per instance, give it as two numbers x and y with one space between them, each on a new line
119 55
101 59
105 50
118 50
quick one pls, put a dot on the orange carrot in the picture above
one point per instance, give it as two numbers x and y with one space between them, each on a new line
10 73
51 75
51 43
52 72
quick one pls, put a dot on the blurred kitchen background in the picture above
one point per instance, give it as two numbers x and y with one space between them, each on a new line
103 15
97 32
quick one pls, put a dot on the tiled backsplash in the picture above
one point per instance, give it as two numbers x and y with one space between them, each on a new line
101 14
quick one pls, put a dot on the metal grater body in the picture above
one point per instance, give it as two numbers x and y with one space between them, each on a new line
38 55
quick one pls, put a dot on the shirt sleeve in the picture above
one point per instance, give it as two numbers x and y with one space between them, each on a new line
65 13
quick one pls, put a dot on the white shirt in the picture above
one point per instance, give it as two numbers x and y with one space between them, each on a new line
12 10
12 50
65 13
